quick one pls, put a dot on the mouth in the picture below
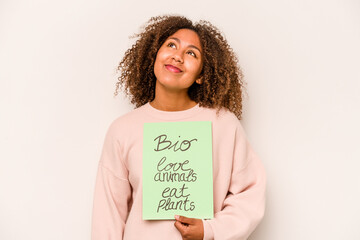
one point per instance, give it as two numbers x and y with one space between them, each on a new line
172 68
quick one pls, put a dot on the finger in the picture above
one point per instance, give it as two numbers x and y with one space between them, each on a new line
185 219
180 227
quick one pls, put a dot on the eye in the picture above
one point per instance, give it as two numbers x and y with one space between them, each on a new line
191 53
171 44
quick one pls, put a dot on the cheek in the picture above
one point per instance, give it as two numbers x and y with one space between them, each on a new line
200 67
162 53
196 67
158 60
158 64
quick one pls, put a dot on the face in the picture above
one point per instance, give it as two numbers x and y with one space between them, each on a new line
179 61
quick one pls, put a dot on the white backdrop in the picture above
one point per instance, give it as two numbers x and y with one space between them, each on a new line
57 70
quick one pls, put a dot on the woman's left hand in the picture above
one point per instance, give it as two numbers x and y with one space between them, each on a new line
190 228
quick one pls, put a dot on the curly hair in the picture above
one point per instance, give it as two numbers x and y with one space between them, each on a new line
222 79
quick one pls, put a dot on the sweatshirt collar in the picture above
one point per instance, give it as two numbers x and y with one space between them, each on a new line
172 115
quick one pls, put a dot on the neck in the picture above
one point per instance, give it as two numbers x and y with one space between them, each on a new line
172 101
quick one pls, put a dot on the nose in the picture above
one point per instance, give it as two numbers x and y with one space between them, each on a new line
178 57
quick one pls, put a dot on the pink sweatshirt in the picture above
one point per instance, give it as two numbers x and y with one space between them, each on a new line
238 179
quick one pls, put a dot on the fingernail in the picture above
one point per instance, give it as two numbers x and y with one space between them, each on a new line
177 217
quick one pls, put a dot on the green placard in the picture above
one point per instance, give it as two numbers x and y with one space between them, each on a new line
177 170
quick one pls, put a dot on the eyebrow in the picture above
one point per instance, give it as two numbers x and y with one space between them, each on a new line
192 46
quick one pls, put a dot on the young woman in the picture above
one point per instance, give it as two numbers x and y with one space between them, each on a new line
179 71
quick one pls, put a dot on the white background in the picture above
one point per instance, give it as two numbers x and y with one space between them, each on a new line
57 70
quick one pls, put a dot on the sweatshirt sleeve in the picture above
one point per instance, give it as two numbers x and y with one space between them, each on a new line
244 206
112 194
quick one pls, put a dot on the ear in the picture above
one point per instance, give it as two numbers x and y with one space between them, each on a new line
199 81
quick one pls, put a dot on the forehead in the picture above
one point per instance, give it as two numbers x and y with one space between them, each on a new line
187 37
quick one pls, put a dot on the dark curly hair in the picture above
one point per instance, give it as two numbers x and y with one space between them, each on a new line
222 77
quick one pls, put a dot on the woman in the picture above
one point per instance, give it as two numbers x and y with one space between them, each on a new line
179 71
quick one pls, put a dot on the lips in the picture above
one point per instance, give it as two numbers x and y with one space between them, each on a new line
172 68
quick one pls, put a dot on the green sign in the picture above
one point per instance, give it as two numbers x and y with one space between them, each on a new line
177 170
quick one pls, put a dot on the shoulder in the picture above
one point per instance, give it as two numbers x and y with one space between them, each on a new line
127 122
222 116
131 116
225 122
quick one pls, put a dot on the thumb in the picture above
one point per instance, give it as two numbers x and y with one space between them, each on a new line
184 219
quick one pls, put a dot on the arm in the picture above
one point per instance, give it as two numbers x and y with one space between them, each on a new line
244 206
112 192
